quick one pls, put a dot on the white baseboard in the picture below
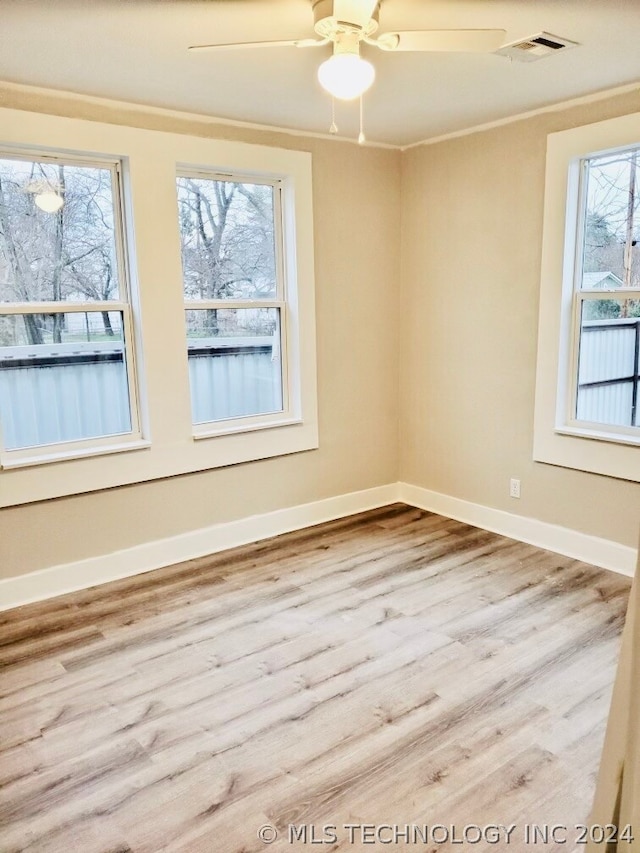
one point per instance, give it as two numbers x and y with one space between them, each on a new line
70 577
562 540
58 580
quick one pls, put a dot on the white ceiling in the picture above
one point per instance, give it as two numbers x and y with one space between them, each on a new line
135 50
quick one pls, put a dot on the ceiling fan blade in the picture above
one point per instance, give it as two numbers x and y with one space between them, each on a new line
472 41
354 11
242 45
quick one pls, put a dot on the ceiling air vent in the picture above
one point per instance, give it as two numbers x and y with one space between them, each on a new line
536 47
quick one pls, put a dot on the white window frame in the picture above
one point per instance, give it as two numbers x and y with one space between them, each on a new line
168 446
285 271
559 438
101 444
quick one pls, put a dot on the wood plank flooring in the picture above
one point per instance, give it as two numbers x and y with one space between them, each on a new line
395 667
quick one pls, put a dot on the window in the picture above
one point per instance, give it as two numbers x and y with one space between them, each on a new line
587 413
66 356
606 313
112 272
235 300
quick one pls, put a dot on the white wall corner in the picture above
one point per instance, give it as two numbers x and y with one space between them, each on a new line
571 543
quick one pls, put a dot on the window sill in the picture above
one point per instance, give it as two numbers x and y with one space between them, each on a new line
596 435
238 430
65 455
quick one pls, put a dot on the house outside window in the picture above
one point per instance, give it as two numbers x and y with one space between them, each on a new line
67 376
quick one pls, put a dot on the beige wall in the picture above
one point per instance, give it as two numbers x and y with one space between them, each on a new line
357 215
459 329
471 246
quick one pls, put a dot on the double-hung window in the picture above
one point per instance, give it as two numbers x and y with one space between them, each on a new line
67 380
156 297
605 375
231 231
588 377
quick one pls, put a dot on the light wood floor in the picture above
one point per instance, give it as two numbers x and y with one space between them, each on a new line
395 667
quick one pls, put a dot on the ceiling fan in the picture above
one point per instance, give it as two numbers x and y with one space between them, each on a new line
345 24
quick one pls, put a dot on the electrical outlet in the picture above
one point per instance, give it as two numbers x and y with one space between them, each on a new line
514 488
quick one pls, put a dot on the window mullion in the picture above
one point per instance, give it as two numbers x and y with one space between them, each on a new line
574 365
62 307
131 368
221 304
279 244
608 295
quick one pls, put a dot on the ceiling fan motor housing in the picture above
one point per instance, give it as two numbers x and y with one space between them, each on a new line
328 25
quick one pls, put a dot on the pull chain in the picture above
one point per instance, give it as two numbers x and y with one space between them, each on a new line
334 126
361 137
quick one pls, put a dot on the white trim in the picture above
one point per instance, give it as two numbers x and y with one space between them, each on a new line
84 451
247 424
549 108
571 543
61 579
552 442
150 158
626 435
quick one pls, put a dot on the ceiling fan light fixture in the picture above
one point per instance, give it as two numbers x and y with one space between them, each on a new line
346 76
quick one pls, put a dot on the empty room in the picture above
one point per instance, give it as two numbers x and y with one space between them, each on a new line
319 426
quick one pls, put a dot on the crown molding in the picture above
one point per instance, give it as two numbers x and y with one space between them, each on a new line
176 115
184 115
602 95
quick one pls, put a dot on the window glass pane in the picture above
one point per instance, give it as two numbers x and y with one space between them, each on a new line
227 236
608 371
612 225
57 236
63 377
234 362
